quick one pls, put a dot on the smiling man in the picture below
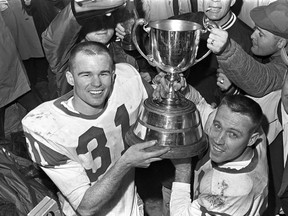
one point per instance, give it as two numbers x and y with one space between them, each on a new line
73 25
232 177
78 139
269 41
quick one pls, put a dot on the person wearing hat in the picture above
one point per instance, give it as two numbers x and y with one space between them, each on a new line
82 21
269 41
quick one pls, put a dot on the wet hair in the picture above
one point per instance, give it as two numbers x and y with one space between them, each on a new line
89 48
245 106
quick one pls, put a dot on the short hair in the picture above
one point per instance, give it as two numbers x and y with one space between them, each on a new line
246 106
89 48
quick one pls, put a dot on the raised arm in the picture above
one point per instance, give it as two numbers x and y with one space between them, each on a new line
59 38
255 78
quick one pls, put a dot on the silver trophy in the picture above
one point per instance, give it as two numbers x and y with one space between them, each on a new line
175 121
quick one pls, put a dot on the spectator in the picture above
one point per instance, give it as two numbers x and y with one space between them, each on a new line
232 177
14 81
28 44
269 40
204 74
75 24
163 9
23 30
43 12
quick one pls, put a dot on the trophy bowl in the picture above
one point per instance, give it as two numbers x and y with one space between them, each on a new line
173 44
175 121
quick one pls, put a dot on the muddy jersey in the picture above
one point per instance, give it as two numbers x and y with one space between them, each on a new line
238 188
75 150
226 191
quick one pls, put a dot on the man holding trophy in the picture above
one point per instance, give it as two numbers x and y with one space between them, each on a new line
236 149
78 139
232 177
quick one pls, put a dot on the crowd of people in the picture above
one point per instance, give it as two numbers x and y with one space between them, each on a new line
96 90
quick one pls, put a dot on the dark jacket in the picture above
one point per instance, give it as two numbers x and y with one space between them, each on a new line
203 75
43 12
13 79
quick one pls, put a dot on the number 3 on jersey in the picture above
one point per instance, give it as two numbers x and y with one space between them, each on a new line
101 151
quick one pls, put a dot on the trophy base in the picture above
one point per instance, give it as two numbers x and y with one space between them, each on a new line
175 152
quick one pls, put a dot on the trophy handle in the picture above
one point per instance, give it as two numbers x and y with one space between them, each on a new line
208 25
144 23
204 56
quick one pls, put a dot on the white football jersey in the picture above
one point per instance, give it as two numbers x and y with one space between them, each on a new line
76 150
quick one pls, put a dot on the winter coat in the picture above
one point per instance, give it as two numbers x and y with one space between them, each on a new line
13 79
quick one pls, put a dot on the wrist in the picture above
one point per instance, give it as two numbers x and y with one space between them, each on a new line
183 171
183 175
185 91
232 90
226 47
193 95
122 164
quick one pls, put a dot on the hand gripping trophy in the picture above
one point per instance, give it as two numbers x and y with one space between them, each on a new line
175 121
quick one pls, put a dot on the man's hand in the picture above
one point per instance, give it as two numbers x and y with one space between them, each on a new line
120 31
146 76
137 156
218 40
161 86
222 80
3 5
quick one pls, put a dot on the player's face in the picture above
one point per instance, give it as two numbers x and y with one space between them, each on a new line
217 10
284 94
93 78
103 32
264 43
229 135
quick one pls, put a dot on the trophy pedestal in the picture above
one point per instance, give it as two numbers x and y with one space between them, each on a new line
176 124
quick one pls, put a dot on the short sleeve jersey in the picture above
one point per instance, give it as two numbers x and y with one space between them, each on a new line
76 150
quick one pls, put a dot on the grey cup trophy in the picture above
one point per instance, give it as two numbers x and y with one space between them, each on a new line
175 121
